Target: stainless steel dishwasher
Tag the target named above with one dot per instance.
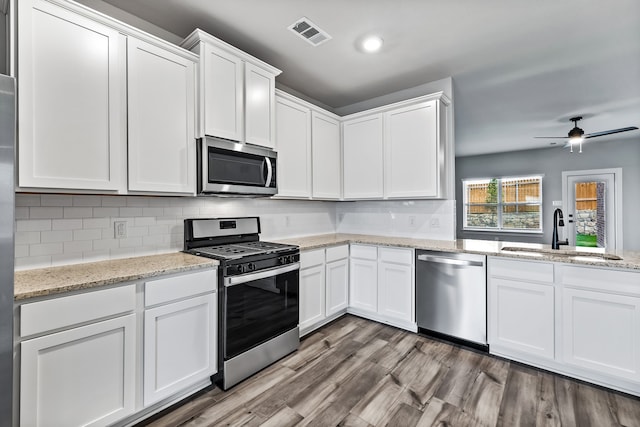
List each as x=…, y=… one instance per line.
x=451, y=296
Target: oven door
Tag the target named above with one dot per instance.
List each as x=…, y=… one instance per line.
x=231, y=168
x=259, y=306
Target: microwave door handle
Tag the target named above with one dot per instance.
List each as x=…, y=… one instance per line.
x=267, y=160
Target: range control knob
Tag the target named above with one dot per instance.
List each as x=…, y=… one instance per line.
x=251, y=266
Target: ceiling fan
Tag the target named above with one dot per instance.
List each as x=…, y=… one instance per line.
x=577, y=135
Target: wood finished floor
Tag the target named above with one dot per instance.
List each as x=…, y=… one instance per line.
x=355, y=372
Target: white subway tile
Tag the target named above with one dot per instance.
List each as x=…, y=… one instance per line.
x=158, y=229
x=78, y=212
x=105, y=212
x=146, y=250
x=96, y=255
x=135, y=201
x=33, y=225
x=66, y=224
x=56, y=236
x=66, y=259
x=144, y=221
x=55, y=200
x=130, y=242
x=87, y=234
x=21, y=213
x=32, y=262
x=105, y=244
x=38, y=212
x=173, y=211
x=21, y=251
x=152, y=240
x=27, y=199
x=96, y=222
x=122, y=253
x=130, y=212
x=27, y=237
x=189, y=212
x=137, y=231
x=152, y=211
x=114, y=201
x=39, y=249
x=85, y=200
x=78, y=246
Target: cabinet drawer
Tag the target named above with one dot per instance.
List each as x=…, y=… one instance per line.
x=364, y=252
x=396, y=255
x=337, y=252
x=63, y=312
x=311, y=258
x=178, y=287
x=529, y=271
x=601, y=279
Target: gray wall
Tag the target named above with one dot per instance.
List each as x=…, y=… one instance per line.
x=552, y=162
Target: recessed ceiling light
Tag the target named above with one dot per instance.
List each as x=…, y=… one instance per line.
x=371, y=44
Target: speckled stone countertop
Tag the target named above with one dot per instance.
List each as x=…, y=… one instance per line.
x=533, y=251
x=56, y=280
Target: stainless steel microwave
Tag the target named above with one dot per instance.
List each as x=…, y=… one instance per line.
x=228, y=168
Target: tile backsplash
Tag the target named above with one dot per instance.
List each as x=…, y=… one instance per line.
x=54, y=229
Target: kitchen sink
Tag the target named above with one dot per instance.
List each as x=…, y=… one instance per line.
x=563, y=253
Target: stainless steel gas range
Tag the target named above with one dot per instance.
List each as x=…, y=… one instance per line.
x=258, y=284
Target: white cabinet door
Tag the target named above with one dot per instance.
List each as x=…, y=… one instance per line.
x=337, y=286
x=161, y=119
x=362, y=148
x=222, y=87
x=312, y=296
x=396, y=291
x=326, y=157
x=411, y=161
x=293, y=137
x=521, y=318
x=601, y=332
x=80, y=377
x=259, y=106
x=72, y=100
x=180, y=342
x=363, y=285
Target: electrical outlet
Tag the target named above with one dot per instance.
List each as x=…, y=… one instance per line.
x=435, y=223
x=120, y=229
x=287, y=221
x=412, y=221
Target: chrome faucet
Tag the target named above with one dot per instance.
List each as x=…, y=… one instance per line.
x=558, y=221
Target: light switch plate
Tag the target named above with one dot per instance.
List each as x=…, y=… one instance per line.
x=120, y=229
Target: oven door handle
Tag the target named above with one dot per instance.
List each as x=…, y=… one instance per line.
x=238, y=280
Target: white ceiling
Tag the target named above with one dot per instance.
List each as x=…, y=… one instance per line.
x=520, y=68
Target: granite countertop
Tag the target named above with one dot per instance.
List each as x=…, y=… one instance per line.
x=56, y=280
x=533, y=251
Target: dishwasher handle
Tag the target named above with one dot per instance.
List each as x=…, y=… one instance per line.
x=450, y=261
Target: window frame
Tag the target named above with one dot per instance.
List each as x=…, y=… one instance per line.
x=500, y=205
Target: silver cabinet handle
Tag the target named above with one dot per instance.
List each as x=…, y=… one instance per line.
x=269, y=171
x=238, y=280
x=450, y=261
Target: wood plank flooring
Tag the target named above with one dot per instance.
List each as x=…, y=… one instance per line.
x=355, y=372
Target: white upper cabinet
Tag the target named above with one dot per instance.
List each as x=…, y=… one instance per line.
x=326, y=157
x=161, y=122
x=411, y=154
x=221, y=94
x=293, y=137
x=71, y=77
x=399, y=151
x=237, y=92
x=363, y=153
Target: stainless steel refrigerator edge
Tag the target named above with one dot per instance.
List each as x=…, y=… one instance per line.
x=7, y=202
x=451, y=295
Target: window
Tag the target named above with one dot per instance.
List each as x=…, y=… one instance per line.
x=503, y=204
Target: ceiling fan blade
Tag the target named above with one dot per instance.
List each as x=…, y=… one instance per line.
x=551, y=137
x=609, y=132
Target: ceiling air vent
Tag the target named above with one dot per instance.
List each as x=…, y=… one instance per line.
x=309, y=31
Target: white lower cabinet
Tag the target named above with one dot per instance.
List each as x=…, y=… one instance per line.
x=180, y=331
x=82, y=375
x=382, y=285
x=580, y=321
x=80, y=355
x=324, y=284
x=521, y=319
